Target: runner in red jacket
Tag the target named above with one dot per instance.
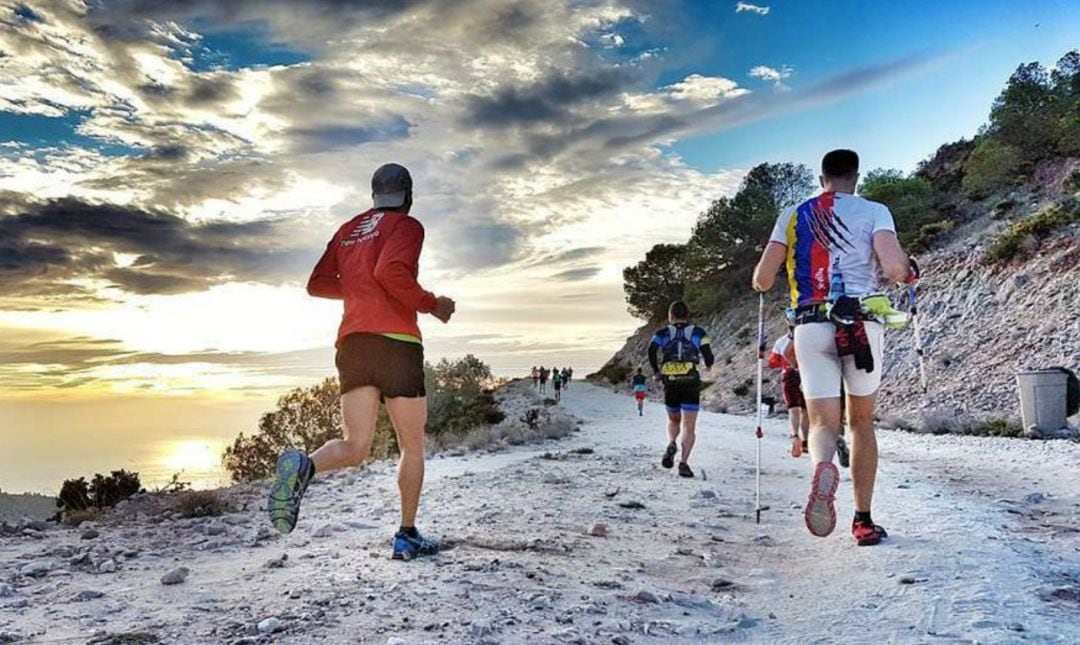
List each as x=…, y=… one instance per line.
x=372, y=264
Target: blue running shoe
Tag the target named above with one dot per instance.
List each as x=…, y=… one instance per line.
x=294, y=472
x=408, y=547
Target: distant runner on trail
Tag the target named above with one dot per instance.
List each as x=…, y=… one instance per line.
x=674, y=354
x=372, y=264
x=557, y=383
x=535, y=376
x=641, y=389
x=543, y=379
x=836, y=247
x=783, y=358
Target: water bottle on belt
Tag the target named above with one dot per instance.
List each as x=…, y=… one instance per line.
x=837, y=292
x=836, y=284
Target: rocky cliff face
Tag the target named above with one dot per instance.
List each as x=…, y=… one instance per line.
x=980, y=324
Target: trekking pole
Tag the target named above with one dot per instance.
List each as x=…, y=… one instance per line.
x=914, y=309
x=760, y=377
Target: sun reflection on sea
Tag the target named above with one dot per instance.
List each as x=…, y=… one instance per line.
x=197, y=461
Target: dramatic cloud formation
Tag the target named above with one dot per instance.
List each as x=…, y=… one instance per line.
x=164, y=157
x=67, y=242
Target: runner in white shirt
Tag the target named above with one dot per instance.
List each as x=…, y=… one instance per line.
x=835, y=247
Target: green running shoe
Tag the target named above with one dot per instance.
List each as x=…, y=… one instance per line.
x=294, y=472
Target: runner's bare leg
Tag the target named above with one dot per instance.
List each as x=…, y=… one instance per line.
x=359, y=413
x=674, y=420
x=409, y=416
x=824, y=428
x=864, y=450
x=689, y=425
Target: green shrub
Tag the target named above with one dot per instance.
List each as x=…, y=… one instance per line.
x=305, y=418
x=999, y=428
x=459, y=400
x=1072, y=182
x=74, y=495
x=1004, y=208
x=992, y=166
x=742, y=389
x=914, y=202
x=1025, y=115
x=654, y=283
x=101, y=492
x=1008, y=244
x=728, y=237
x=1069, y=141
x=945, y=168
x=929, y=234
x=704, y=296
x=613, y=373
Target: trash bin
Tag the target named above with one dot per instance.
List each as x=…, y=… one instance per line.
x=1043, y=398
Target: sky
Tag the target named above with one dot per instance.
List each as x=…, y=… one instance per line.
x=170, y=170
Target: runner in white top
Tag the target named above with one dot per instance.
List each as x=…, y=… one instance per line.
x=834, y=247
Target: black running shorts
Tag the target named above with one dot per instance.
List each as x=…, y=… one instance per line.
x=682, y=394
x=396, y=367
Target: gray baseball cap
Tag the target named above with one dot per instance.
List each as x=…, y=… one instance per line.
x=390, y=186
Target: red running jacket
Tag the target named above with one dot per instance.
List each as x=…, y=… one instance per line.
x=372, y=264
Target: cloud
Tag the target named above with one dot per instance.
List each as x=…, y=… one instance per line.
x=772, y=74
x=752, y=8
x=333, y=137
x=549, y=99
x=38, y=359
x=612, y=40
x=633, y=130
x=60, y=242
x=576, y=275
x=483, y=243
x=572, y=255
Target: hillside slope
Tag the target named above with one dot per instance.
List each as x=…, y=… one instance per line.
x=981, y=323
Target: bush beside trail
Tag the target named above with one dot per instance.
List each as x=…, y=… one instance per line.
x=466, y=408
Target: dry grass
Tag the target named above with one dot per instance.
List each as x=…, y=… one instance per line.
x=951, y=422
x=75, y=518
x=201, y=503
x=539, y=424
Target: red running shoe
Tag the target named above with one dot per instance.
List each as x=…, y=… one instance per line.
x=820, y=507
x=867, y=534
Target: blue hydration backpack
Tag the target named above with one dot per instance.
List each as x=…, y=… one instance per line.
x=680, y=347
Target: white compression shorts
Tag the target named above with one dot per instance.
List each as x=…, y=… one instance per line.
x=822, y=370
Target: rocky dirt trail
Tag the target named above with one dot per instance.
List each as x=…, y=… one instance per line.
x=587, y=540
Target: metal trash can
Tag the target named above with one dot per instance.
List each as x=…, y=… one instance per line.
x=1043, y=398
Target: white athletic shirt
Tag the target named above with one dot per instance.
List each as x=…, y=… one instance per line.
x=778, y=350
x=832, y=229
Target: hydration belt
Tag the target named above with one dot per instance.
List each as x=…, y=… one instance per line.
x=848, y=318
x=808, y=314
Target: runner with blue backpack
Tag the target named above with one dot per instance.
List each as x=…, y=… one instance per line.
x=674, y=354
